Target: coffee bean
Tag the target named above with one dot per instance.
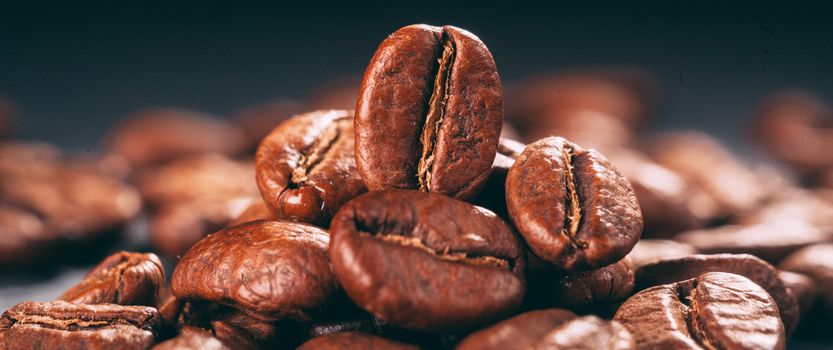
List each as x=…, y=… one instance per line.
x=697, y=157
x=193, y=338
x=574, y=209
x=61, y=325
x=257, y=210
x=771, y=241
x=796, y=128
x=353, y=340
x=517, y=333
x=429, y=112
x=122, y=278
x=306, y=169
x=270, y=268
x=25, y=239
x=161, y=134
x=425, y=261
x=762, y=273
x=647, y=251
x=587, y=333
x=803, y=288
x=579, y=290
x=816, y=262
x=713, y=311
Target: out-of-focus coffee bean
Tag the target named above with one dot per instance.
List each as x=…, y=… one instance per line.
x=122, y=278
x=816, y=262
x=803, y=288
x=796, y=128
x=598, y=108
x=257, y=210
x=24, y=239
x=162, y=134
x=704, y=162
x=175, y=227
x=193, y=338
x=771, y=241
x=257, y=120
x=647, y=251
x=580, y=290
x=588, y=333
x=517, y=333
x=339, y=93
x=201, y=178
x=353, y=340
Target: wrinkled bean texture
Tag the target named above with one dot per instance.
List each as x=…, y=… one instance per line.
x=517, y=333
x=425, y=261
x=61, y=325
x=429, y=113
x=122, y=278
x=271, y=268
x=579, y=290
x=713, y=311
x=573, y=208
x=306, y=167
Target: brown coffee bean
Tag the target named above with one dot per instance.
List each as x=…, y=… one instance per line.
x=814, y=207
x=24, y=239
x=306, y=168
x=771, y=241
x=269, y=268
x=162, y=134
x=193, y=338
x=208, y=177
x=176, y=226
x=713, y=311
x=579, y=290
x=697, y=157
x=353, y=340
x=647, y=251
x=455, y=265
x=517, y=333
x=762, y=273
x=594, y=107
x=796, y=128
x=258, y=120
x=429, y=112
x=587, y=333
x=816, y=262
x=122, y=278
x=804, y=289
x=574, y=209
x=61, y=325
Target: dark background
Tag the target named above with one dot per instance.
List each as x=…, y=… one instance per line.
x=75, y=69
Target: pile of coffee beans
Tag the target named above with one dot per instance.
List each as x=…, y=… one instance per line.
x=430, y=217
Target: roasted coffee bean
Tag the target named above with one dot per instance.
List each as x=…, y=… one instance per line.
x=713, y=311
x=24, y=239
x=574, y=209
x=437, y=131
x=122, y=278
x=517, y=333
x=602, y=107
x=193, y=338
x=771, y=241
x=803, y=288
x=814, y=207
x=61, y=325
x=456, y=265
x=669, y=205
x=270, y=268
x=306, y=168
x=579, y=290
x=647, y=251
x=796, y=128
x=207, y=177
x=258, y=120
x=762, y=273
x=587, y=333
x=815, y=262
x=162, y=134
x=353, y=340
x=697, y=157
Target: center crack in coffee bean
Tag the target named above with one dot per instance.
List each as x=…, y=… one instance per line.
x=318, y=152
x=572, y=219
x=446, y=254
x=435, y=114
